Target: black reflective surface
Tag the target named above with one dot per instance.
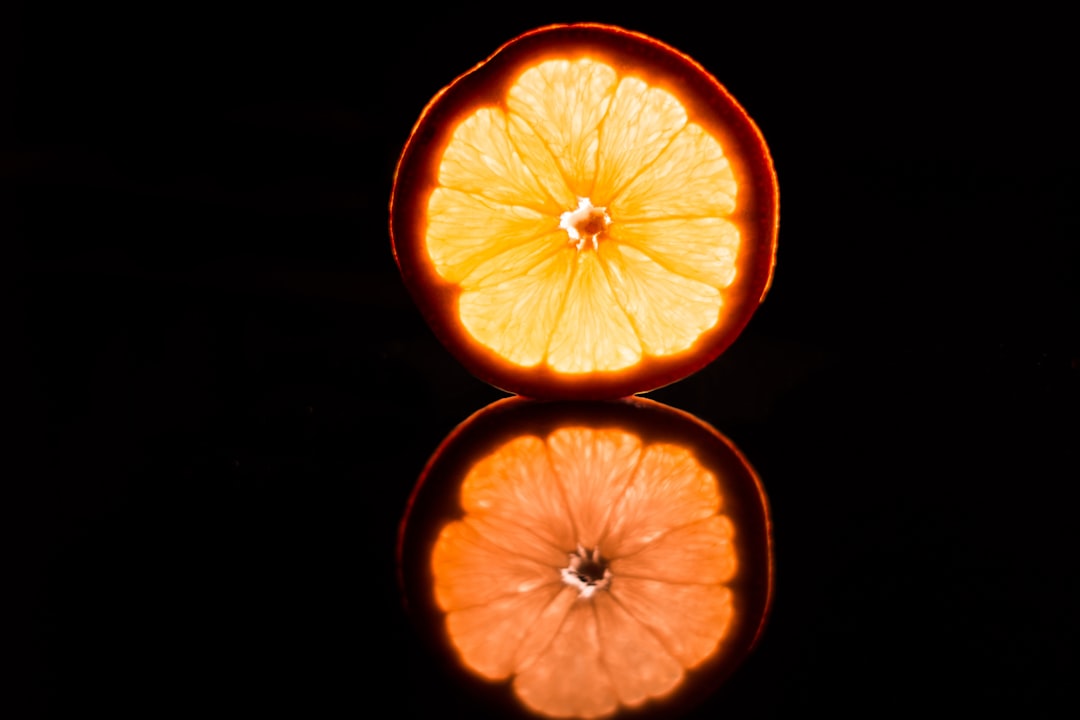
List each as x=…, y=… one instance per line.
x=222, y=395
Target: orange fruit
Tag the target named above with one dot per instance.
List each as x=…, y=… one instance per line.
x=589, y=557
x=586, y=214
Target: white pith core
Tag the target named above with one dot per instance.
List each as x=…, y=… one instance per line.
x=586, y=571
x=585, y=224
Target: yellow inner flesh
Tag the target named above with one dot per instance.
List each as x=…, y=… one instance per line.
x=598, y=296
x=650, y=511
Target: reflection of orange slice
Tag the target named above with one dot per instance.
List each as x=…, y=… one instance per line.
x=593, y=563
x=586, y=214
x=639, y=597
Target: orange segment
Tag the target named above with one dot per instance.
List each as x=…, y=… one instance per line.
x=569, y=679
x=482, y=160
x=460, y=228
x=541, y=160
x=593, y=220
x=485, y=570
x=638, y=664
x=668, y=311
x=691, y=178
x=520, y=486
x=491, y=637
x=515, y=313
x=640, y=123
x=676, y=490
x=691, y=635
x=592, y=332
x=702, y=249
x=701, y=552
x=591, y=467
x=564, y=103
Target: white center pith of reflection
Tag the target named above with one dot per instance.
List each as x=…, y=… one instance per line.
x=586, y=571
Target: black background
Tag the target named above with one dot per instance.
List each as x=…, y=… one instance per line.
x=222, y=394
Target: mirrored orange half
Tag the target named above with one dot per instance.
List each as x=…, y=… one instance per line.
x=584, y=560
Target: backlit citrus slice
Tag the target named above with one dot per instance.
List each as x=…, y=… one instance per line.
x=587, y=214
x=592, y=557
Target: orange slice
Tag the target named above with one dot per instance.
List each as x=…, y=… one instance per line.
x=591, y=557
x=586, y=214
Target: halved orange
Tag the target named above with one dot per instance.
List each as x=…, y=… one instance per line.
x=586, y=214
x=588, y=558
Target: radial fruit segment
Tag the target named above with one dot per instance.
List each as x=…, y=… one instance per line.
x=590, y=567
x=587, y=214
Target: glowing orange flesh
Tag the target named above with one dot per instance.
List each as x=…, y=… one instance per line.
x=519, y=576
x=585, y=221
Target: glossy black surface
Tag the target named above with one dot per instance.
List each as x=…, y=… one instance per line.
x=221, y=394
